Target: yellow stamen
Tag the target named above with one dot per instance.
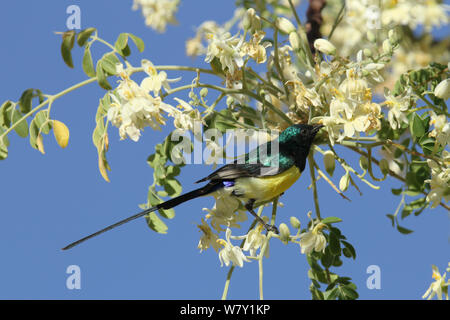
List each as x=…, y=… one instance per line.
x=436, y=276
x=221, y=242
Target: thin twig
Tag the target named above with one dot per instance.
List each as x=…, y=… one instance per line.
x=314, y=186
x=323, y=175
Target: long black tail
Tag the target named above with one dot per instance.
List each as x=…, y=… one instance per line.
x=210, y=187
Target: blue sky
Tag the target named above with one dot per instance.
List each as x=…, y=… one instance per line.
x=50, y=200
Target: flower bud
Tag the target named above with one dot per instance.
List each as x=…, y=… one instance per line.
x=251, y=21
x=344, y=182
x=204, y=92
x=295, y=223
x=248, y=18
x=325, y=46
x=384, y=166
x=230, y=101
x=387, y=47
x=371, y=36
x=285, y=26
x=364, y=162
x=374, y=66
x=329, y=162
x=393, y=37
x=192, y=95
x=367, y=52
x=442, y=90
x=294, y=40
x=284, y=233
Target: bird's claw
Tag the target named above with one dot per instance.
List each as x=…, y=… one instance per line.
x=272, y=228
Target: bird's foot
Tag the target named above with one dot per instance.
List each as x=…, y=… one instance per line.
x=272, y=228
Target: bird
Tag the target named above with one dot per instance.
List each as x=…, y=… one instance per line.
x=262, y=176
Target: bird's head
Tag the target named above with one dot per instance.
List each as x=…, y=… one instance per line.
x=300, y=135
x=297, y=139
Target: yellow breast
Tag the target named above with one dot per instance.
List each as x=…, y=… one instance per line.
x=266, y=188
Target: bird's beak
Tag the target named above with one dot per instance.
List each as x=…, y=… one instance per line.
x=317, y=127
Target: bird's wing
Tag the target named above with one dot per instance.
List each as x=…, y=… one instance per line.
x=254, y=166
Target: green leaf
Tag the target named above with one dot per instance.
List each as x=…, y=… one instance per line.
x=334, y=244
x=349, y=292
x=25, y=101
x=396, y=191
x=121, y=42
x=331, y=294
x=172, y=187
x=22, y=126
x=172, y=171
x=121, y=45
x=350, y=249
x=137, y=41
x=4, y=143
x=101, y=77
x=313, y=264
x=337, y=262
x=126, y=51
x=66, y=47
x=38, y=125
x=416, y=126
x=327, y=258
x=392, y=218
x=84, y=35
x=403, y=230
x=5, y=111
x=329, y=220
x=109, y=62
x=155, y=223
x=87, y=63
x=316, y=294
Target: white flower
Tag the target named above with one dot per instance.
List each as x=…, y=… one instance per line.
x=208, y=238
x=398, y=105
x=227, y=49
x=394, y=163
x=414, y=13
x=441, y=129
x=194, y=46
x=354, y=86
x=254, y=49
x=313, y=240
x=442, y=90
x=439, y=183
x=187, y=118
x=325, y=46
x=438, y=286
x=231, y=253
x=226, y=211
x=133, y=108
x=302, y=96
x=155, y=81
x=158, y=13
x=254, y=240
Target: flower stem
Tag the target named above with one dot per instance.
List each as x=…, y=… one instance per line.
x=230, y=272
x=314, y=186
x=50, y=99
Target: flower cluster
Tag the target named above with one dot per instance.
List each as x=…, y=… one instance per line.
x=351, y=109
x=373, y=15
x=440, y=181
x=439, y=286
x=133, y=107
x=158, y=13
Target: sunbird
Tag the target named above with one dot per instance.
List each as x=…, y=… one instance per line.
x=254, y=181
